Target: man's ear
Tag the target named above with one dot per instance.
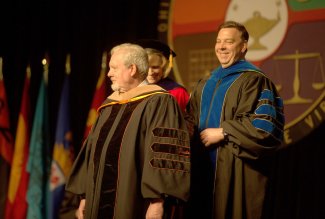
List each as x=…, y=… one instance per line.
x=244, y=47
x=133, y=69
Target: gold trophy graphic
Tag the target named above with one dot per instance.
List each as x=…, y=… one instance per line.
x=258, y=26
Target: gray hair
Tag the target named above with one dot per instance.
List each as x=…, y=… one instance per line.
x=134, y=54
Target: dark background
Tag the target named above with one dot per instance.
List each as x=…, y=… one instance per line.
x=29, y=30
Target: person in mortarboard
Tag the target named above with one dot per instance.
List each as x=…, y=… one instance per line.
x=160, y=65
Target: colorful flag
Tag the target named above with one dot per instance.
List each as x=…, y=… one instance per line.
x=71, y=201
x=99, y=95
x=39, y=159
x=62, y=152
x=16, y=203
x=6, y=145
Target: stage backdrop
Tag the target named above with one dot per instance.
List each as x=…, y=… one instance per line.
x=287, y=42
x=290, y=50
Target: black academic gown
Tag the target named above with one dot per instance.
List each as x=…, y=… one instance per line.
x=137, y=150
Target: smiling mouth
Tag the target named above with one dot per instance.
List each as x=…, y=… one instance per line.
x=223, y=54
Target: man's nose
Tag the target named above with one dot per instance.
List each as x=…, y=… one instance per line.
x=222, y=45
x=150, y=71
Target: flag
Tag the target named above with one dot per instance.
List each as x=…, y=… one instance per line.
x=99, y=95
x=16, y=202
x=62, y=152
x=38, y=164
x=6, y=145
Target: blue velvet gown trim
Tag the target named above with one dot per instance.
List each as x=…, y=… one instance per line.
x=213, y=96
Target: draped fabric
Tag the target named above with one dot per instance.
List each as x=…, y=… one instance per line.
x=39, y=159
x=98, y=98
x=138, y=149
x=6, y=147
x=176, y=90
x=62, y=158
x=230, y=179
x=19, y=177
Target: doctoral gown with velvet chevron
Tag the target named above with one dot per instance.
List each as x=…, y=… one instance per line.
x=137, y=150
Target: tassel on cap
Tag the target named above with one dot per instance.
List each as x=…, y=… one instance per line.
x=159, y=46
x=171, y=59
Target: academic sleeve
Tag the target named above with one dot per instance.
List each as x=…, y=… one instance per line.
x=257, y=124
x=192, y=111
x=77, y=179
x=166, y=152
x=76, y=182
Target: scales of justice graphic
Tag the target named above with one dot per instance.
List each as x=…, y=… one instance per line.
x=296, y=57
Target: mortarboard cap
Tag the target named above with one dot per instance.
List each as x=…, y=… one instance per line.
x=159, y=46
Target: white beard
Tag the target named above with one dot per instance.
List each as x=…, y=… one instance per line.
x=115, y=87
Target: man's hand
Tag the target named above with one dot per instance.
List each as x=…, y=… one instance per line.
x=211, y=136
x=155, y=209
x=81, y=209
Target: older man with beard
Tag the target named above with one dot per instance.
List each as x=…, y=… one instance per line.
x=137, y=156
